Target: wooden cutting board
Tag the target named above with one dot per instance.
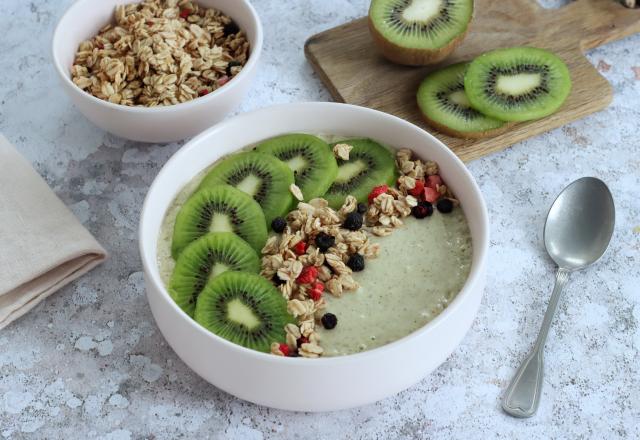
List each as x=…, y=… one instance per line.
x=347, y=61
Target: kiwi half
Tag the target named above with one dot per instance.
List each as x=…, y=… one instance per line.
x=419, y=32
x=243, y=308
x=370, y=164
x=444, y=105
x=517, y=84
x=260, y=175
x=204, y=259
x=219, y=208
x=310, y=158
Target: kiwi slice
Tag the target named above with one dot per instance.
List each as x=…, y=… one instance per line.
x=419, y=32
x=370, y=164
x=205, y=259
x=311, y=160
x=445, y=106
x=260, y=175
x=243, y=308
x=517, y=84
x=220, y=208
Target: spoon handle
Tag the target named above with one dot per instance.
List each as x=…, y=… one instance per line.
x=523, y=394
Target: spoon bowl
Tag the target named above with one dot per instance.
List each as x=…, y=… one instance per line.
x=580, y=224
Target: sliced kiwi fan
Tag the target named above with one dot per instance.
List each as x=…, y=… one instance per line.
x=309, y=157
x=370, y=164
x=219, y=208
x=243, y=308
x=262, y=176
x=221, y=229
x=203, y=260
x=444, y=104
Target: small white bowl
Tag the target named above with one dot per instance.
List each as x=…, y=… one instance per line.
x=158, y=124
x=322, y=384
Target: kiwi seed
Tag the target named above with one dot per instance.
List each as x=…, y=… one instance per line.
x=243, y=308
x=260, y=175
x=219, y=208
x=419, y=32
x=203, y=260
x=517, y=84
x=370, y=164
x=445, y=106
x=310, y=158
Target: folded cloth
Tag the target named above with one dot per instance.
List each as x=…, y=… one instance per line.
x=43, y=247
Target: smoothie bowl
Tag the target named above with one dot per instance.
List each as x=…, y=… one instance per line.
x=332, y=248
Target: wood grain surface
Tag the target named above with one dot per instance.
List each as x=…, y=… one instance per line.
x=351, y=67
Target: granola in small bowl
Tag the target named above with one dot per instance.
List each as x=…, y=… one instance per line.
x=159, y=53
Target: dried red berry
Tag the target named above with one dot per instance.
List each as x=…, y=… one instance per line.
x=434, y=181
x=376, y=191
x=300, y=248
x=302, y=340
x=184, y=13
x=316, y=292
x=308, y=275
x=203, y=92
x=284, y=348
x=417, y=190
x=431, y=195
x=223, y=80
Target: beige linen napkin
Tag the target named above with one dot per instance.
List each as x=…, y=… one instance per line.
x=43, y=246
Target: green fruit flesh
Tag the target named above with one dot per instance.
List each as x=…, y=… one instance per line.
x=205, y=259
x=517, y=84
x=243, y=308
x=442, y=99
x=421, y=24
x=260, y=175
x=219, y=208
x=370, y=164
x=311, y=160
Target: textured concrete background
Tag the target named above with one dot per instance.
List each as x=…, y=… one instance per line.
x=90, y=363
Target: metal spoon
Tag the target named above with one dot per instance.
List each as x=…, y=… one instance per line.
x=576, y=234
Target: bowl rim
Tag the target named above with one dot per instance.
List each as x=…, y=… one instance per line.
x=255, y=50
x=480, y=252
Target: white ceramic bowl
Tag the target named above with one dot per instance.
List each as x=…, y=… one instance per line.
x=159, y=124
x=326, y=383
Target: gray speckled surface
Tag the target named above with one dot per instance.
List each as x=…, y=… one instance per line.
x=90, y=363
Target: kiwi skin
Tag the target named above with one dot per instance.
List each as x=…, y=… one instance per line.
x=466, y=134
x=413, y=57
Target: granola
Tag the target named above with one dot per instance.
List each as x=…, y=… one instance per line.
x=281, y=261
x=341, y=151
x=414, y=171
x=160, y=52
